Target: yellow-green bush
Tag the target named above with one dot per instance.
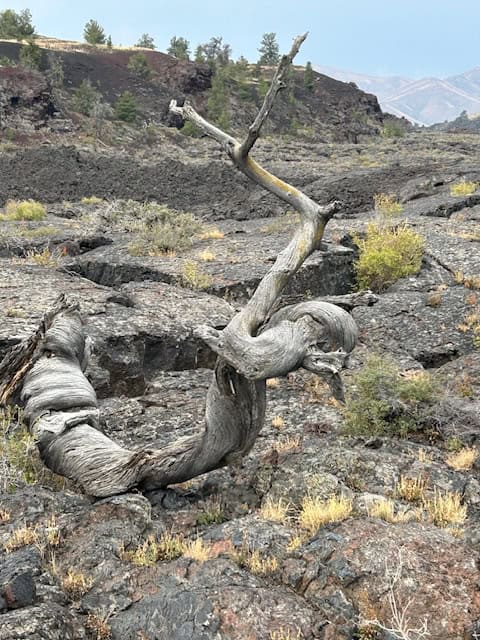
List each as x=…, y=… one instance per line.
x=387, y=205
x=159, y=229
x=195, y=278
x=463, y=188
x=383, y=400
x=91, y=200
x=24, y=210
x=387, y=254
x=19, y=459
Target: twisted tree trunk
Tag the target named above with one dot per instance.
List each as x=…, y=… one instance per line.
x=61, y=406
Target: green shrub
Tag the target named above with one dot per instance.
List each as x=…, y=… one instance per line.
x=385, y=401
x=161, y=230
x=195, y=278
x=191, y=130
x=19, y=459
x=392, y=129
x=126, y=108
x=30, y=56
x=138, y=64
x=24, y=210
x=85, y=97
x=387, y=254
x=308, y=77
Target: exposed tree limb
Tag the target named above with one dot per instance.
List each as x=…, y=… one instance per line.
x=60, y=403
x=276, y=85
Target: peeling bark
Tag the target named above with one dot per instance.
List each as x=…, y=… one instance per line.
x=258, y=343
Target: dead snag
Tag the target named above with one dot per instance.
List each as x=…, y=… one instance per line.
x=257, y=344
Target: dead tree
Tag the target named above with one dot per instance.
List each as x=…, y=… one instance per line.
x=61, y=406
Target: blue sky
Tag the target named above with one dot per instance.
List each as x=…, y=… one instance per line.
x=414, y=38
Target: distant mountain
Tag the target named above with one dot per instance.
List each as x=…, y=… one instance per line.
x=426, y=101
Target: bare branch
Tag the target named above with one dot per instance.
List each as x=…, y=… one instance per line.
x=276, y=85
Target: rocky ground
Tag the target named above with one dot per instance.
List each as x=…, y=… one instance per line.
x=244, y=570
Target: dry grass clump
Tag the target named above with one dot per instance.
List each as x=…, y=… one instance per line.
x=207, y=255
x=387, y=205
x=211, y=233
x=212, y=513
x=44, y=258
x=296, y=542
x=464, y=386
x=91, y=200
x=385, y=510
x=462, y=460
x=23, y=210
x=278, y=422
x=387, y=254
x=288, y=444
x=445, y=508
x=193, y=277
x=285, y=634
x=316, y=512
x=21, y=538
x=463, y=188
x=97, y=625
x=273, y=383
x=4, y=516
x=197, y=550
x=317, y=389
x=469, y=281
x=411, y=489
x=255, y=562
x=168, y=547
x=76, y=584
x=276, y=510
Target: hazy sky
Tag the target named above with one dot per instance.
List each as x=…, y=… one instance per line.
x=413, y=38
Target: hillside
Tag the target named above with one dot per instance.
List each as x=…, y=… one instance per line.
x=328, y=111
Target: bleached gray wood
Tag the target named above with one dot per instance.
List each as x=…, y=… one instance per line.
x=257, y=344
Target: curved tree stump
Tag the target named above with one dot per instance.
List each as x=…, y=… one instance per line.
x=61, y=406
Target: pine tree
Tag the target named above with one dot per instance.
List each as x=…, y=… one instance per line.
x=180, y=48
x=138, y=64
x=269, y=52
x=125, y=107
x=199, y=55
x=109, y=42
x=215, y=52
x=85, y=97
x=308, y=77
x=16, y=25
x=30, y=56
x=146, y=41
x=217, y=104
x=93, y=33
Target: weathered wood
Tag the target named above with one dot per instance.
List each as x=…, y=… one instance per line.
x=258, y=343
